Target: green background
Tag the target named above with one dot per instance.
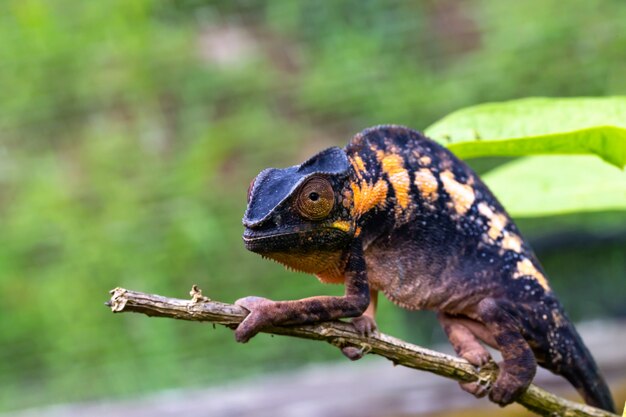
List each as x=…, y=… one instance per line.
x=129, y=132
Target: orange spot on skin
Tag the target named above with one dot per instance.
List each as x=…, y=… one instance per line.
x=511, y=242
x=485, y=210
x=525, y=268
x=497, y=225
x=342, y=225
x=358, y=165
x=497, y=222
x=393, y=166
x=367, y=196
x=462, y=195
x=425, y=160
x=427, y=184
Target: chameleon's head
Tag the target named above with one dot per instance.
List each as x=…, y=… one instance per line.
x=300, y=215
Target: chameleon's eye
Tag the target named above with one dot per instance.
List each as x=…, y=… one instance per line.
x=250, y=188
x=316, y=199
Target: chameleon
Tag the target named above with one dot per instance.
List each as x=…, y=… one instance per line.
x=397, y=213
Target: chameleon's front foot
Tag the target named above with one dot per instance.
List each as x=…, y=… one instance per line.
x=258, y=318
x=366, y=326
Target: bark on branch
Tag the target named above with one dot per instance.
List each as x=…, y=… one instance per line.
x=201, y=308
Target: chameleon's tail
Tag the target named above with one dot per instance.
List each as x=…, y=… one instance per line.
x=579, y=368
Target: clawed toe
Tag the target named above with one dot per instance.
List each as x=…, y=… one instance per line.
x=503, y=391
x=365, y=325
x=477, y=388
x=478, y=357
x=353, y=353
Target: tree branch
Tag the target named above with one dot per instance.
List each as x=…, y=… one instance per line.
x=340, y=334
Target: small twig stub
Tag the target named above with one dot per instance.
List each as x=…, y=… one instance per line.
x=196, y=295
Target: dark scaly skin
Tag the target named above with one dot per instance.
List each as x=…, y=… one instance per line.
x=413, y=221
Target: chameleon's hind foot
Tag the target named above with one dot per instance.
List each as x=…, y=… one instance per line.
x=503, y=391
x=519, y=365
x=507, y=389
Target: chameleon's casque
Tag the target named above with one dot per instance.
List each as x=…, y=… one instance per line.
x=277, y=185
x=398, y=213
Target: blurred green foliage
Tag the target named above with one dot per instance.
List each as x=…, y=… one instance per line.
x=129, y=132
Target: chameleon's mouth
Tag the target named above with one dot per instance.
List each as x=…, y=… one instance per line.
x=326, y=239
x=265, y=242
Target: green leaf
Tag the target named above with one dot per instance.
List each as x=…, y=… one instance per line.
x=548, y=185
x=537, y=126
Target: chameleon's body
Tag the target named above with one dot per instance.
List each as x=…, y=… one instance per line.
x=396, y=212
